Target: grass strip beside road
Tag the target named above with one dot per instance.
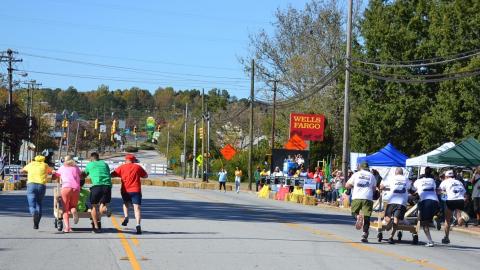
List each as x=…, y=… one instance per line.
x=126, y=246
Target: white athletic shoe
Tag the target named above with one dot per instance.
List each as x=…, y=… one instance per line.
x=429, y=244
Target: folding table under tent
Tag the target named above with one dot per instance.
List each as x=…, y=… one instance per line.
x=466, y=153
x=421, y=161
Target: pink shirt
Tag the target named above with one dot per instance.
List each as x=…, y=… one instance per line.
x=70, y=176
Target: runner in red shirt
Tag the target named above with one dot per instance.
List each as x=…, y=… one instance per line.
x=131, y=191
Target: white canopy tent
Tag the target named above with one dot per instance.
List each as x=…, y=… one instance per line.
x=421, y=161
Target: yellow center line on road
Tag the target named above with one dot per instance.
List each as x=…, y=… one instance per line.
x=364, y=247
x=126, y=246
x=349, y=242
x=134, y=240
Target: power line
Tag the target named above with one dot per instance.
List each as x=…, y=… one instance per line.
x=319, y=85
x=454, y=76
x=141, y=32
x=121, y=79
x=123, y=58
x=420, y=62
x=137, y=70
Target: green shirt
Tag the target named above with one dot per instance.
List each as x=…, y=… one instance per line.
x=82, y=200
x=256, y=175
x=99, y=173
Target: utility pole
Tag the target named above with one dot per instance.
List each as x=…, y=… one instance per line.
x=194, y=160
x=250, y=148
x=76, y=139
x=346, y=110
x=31, y=85
x=203, y=136
x=273, y=115
x=185, y=143
x=10, y=60
x=168, y=141
x=207, y=164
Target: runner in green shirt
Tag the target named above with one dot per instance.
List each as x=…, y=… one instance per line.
x=101, y=190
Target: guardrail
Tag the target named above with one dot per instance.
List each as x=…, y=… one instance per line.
x=151, y=169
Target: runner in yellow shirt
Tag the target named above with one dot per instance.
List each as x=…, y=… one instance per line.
x=37, y=171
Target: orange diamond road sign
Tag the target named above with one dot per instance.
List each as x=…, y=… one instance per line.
x=295, y=143
x=228, y=152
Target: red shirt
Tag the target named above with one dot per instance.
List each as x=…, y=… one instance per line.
x=130, y=173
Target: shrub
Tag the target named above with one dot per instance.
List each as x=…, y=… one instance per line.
x=131, y=149
x=146, y=147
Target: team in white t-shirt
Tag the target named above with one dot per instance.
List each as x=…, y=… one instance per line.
x=426, y=189
x=364, y=184
x=453, y=188
x=396, y=189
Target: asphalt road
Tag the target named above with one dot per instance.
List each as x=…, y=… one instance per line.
x=202, y=229
x=144, y=157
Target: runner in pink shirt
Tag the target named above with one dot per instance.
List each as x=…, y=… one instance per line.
x=69, y=175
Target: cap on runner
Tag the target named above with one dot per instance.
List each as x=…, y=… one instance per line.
x=130, y=157
x=449, y=173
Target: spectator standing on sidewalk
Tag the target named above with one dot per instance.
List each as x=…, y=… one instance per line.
x=131, y=190
x=338, y=185
x=222, y=179
x=37, y=171
x=238, y=179
x=256, y=176
x=476, y=194
x=318, y=176
x=363, y=184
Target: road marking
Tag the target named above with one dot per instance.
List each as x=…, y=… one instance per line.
x=126, y=246
x=134, y=240
x=366, y=248
x=330, y=235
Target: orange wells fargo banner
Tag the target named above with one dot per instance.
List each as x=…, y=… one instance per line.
x=309, y=127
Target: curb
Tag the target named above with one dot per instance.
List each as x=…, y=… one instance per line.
x=465, y=231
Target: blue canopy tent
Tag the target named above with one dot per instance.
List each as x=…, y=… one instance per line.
x=388, y=156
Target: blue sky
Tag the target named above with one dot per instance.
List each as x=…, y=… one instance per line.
x=183, y=44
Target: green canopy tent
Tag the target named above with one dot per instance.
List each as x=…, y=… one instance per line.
x=466, y=153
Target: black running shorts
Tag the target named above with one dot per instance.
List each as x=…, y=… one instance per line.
x=396, y=210
x=100, y=194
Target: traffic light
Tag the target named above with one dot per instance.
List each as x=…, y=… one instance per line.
x=96, y=124
x=200, y=131
x=135, y=130
x=65, y=123
x=158, y=128
x=114, y=126
x=99, y=136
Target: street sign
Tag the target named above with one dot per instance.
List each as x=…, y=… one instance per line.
x=182, y=158
x=295, y=143
x=200, y=160
x=103, y=128
x=228, y=152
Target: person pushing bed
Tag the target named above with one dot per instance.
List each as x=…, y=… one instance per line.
x=131, y=191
